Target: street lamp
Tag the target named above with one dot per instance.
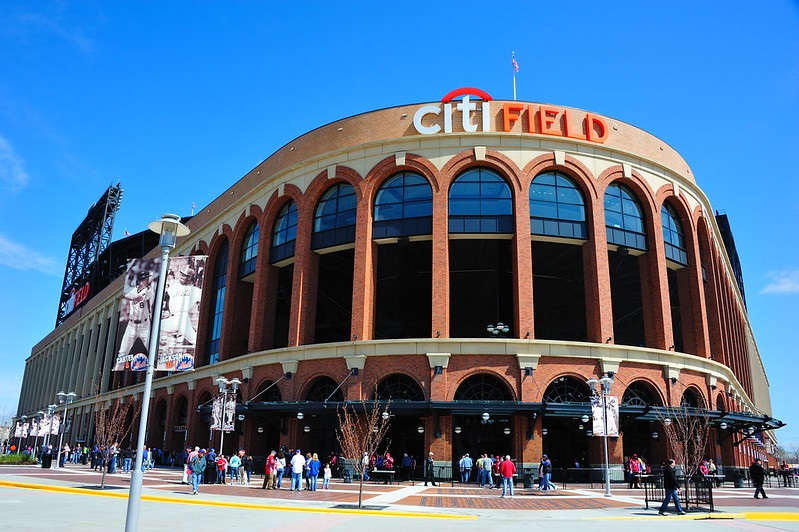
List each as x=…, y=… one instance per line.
x=223, y=389
x=66, y=400
x=170, y=228
x=605, y=384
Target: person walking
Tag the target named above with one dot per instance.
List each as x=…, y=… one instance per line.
x=314, y=466
x=757, y=474
x=466, y=468
x=671, y=486
x=328, y=474
x=270, y=471
x=428, y=469
x=506, y=470
x=281, y=469
x=248, y=464
x=197, y=467
x=235, y=463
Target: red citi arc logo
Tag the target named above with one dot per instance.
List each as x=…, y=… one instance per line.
x=516, y=117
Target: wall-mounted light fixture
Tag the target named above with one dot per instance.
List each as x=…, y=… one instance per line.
x=457, y=430
x=528, y=372
x=307, y=428
x=300, y=415
x=288, y=375
x=544, y=431
x=420, y=429
x=485, y=416
x=655, y=435
x=673, y=380
x=438, y=370
x=354, y=372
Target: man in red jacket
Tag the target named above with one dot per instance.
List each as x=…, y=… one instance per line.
x=270, y=471
x=506, y=470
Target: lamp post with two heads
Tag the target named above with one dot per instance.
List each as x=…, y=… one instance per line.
x=170, y=228
x=65, y=399
x=605, y=384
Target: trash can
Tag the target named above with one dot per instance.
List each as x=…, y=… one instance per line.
x=346, y=474
x=47, y=460
x=529, y=481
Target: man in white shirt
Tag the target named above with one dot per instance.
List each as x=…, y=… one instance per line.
x=297, y=465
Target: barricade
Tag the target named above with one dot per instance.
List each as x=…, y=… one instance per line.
x=697, y=493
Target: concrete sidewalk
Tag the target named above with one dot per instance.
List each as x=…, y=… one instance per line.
x=169, y=505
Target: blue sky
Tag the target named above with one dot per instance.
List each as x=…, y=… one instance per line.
x=178, y=100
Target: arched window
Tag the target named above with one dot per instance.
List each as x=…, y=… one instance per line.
x=623, y=218
x=268, y=393
x=691, y=399
x=217, y=303
x=480, y=201
x=673, y=235
x=324, y=389
x=639, y=393
x=482, y=387
x=567, y=390
x=557, y=207
x=403, y=207
x=334, y=219
x=284, y=233
x=249, y=250
x=399, y=387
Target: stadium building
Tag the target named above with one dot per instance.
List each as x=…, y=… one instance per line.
x=476, y=263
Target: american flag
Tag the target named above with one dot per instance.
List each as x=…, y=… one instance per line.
x=515, y=64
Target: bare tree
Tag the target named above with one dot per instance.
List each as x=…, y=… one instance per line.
x=361, y=432
x=112, y=422
x=687, y=431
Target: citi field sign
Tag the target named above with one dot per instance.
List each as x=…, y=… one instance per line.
x=515, y=116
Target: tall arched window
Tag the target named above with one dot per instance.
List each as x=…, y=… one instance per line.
x=567, y=390
x=673, y=235
x=399, y=387
x=623, y=218
x=217, y=303
x=403, y=207
x=249, y=250
x=334, y=218
x=324, y=389
x=557, y=207
x=482, y=387
x=639, y=393
x=480, y=201
x=284, y=233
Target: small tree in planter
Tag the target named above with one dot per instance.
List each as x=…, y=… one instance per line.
x=362, y=430
x=687, y=430
x=111, y=426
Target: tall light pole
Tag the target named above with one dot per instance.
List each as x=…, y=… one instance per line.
x=170, y=228
x=605, y=384
x=223, y=382
x=65, y=399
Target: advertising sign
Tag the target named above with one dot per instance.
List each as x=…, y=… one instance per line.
x=136, y=314
x=598, y=418
x=181, y=313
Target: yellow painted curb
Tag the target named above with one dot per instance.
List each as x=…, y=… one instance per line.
x=226, y=504
x=748, y=516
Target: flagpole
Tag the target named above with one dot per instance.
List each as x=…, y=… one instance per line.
x=514, y=69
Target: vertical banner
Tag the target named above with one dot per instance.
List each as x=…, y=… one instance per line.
x=136, y=314
x=230, y=413
x=598, y=418
x=55, y=424
x=18, y=430
x=34, y=431
x=216, y=412
x=44, y=426
x=67, y=424
x=181, y=313
x=25, y=427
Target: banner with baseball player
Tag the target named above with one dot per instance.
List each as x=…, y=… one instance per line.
x=597, y=413
x=18, y=430
x=223, y=412
x=180, y=316
x=136, y=314
x=55, y=424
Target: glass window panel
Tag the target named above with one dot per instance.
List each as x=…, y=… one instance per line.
x=388, y=212
x=413, y=210
x=463, y=207
x=613, y=219
x=612, y=203
x=496, y=207
x=630, y=207
x=543, y=209
x=546, y=179
x=571, y=212
x=464, y=190
x=569, y=195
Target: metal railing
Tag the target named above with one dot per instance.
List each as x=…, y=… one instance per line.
x=697, y=492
